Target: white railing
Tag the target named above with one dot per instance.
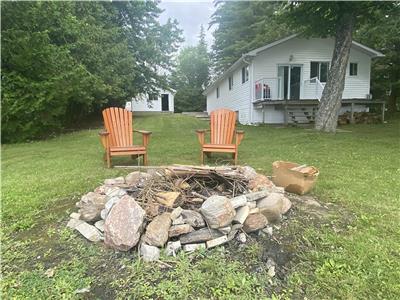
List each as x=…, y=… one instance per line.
x=266, y=89
x=318, y=85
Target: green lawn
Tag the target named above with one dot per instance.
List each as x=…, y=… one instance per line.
x=359, y=172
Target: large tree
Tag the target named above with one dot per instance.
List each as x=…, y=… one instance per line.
x=191, y=76
x=339, y=20
x=384, y=36
x=63, y=60
x=241, y=26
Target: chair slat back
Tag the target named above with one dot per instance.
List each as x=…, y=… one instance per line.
x=118, y=122
x=222, y=125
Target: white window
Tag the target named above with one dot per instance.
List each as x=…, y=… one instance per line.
x=230, y=82
x=153, y=97
x=353, y=69
x=245, y=74
x=217, y=92
x=320, y=70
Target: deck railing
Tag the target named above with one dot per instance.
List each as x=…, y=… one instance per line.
x=319, y=86
x=266, y=89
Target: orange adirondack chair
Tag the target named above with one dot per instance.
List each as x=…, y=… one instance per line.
x=117, y=138
x=222, y=129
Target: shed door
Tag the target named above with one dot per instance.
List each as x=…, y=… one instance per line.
x=165, y=102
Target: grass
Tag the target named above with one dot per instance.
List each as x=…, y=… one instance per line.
x=360, y=174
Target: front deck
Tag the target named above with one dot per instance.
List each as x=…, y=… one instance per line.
x=306, y=109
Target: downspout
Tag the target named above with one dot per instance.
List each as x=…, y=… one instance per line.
x=251, y=75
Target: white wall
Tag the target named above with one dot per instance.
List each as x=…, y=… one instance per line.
x=141, y=104
x=237, y=99
x=302, y=52
x=297, y=51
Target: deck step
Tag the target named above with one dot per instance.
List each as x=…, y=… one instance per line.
x=301, y=114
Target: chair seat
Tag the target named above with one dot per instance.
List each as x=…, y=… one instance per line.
x=219, y=148
x=133, y=148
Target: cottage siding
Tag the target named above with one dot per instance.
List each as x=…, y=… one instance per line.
x=141, y=103
x=296, y=51
x=302, y=52
x=237, y=99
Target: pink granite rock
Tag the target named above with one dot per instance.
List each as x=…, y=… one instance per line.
x=124, y=224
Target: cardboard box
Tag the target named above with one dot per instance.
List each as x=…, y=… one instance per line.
x=295, y=178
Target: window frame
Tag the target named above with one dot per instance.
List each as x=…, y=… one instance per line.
x=319, y=70
x=356, y=64
x=230, y=82
x=245, y=74
x=153, y=96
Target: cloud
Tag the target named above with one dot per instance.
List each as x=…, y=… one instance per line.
x=190, y=15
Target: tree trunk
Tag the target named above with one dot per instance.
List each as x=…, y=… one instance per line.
x=328, y=110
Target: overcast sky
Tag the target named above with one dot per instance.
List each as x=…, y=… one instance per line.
x=190, y=15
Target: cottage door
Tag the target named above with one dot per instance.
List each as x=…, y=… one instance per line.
x=289, y=81
x=295, y=81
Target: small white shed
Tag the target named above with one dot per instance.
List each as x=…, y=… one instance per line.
x=160, y=102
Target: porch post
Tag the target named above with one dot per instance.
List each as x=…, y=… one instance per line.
x=286, y=113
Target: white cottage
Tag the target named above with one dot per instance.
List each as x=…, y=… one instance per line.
x=160, y=102
x=282, y=82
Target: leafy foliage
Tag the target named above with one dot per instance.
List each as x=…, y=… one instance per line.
x=385, y=36
x=243, y=26
x=191, y=77
x=64, y=60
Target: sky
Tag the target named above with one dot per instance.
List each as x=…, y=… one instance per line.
x=190, y=15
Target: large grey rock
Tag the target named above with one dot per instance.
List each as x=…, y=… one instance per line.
x=286, y=205
x=103, y=189
x=89, y=232
x=194, y=247
x=157, y=231
x=90, y=206
x=115, y=192
x=178, y=221
x=176, y=213
x=271, y=207
x=255, y=222
x=149, y=253
x=73, y=223
x=137, y=178
x=216, y=242
x=218, y=211
x=124, y=224
x=248, y=172
x=193, y=218
x=75, y=215
x=172, y=248
x=177, y=230
x=100, y=225
x=114, y=181
x=201, y=235
x=113, y=196
x=260, y=182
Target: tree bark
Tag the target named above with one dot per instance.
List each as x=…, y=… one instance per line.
x=328, y=110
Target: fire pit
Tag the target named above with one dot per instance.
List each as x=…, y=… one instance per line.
x=179, y=208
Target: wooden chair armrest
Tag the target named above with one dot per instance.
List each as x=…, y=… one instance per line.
x=142, y=131
x=201, y=135
x=202, y=130
x=145, y=136
x=239, y=136
x=104, y=133
x=104, y=138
